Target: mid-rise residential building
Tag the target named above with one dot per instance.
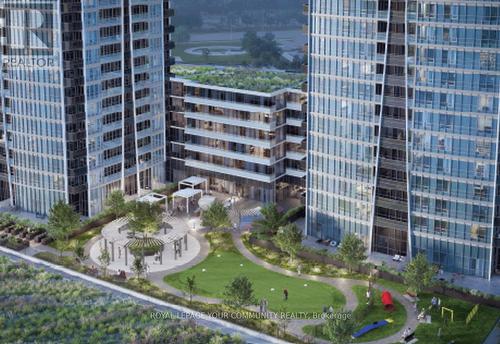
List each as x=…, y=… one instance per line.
x=403, y=128
x=243, y=130
x=83, y=100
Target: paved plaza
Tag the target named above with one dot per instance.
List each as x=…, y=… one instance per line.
x=180, y=246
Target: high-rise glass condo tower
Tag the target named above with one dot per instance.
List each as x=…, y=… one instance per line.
x=83, y=100
x=403, y=128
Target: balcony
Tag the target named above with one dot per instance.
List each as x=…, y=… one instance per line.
x=227, y=104
x=228, y=154
x=230, y=121
x=295, y=173
x=294, y=155
x=230, y=138
x=295, y=122
x=297, y=139
x=294, y=106
x=260, y=177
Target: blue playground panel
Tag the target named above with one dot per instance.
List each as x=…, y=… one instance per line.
x=370, y=327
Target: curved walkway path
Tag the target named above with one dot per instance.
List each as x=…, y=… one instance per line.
x=343, y=284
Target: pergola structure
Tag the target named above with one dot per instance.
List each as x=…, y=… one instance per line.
x=187, y=194
x=153, y=198
x=193, y=182
x=117, y=237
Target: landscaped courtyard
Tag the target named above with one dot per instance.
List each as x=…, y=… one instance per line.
x=218, y=258
x=224, y=263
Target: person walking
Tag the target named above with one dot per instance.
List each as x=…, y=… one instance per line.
x=285, y=294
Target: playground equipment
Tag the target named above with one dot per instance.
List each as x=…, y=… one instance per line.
x=450, y=311
x=471, y=314
x=387, y=301
x=371, y=327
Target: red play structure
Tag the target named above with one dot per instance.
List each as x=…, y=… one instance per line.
x=387, y=301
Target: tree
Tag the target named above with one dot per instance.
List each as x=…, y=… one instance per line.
x=145, y=218
x=104, y=260
x=138, y=266
x=79, y=251
x=273, y=219
x=352, y=251
x=289, y=240
x=419, y=273
x=216, y=216
x=239, y=293
x=191, y=286
x=339, y=327
x=116, y=203
x=62, y=220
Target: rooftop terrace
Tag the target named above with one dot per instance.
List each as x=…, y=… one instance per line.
x=240, y=78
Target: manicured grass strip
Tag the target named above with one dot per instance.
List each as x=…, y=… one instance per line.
x=476, y=332
x=366, y=315
x=225, y=263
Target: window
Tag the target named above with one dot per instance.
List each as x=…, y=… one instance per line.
x=141, y=43
x=442, y=185
x=111, y=67
x=478, y=232
x=112, y=117
x=108, y=13
x=111, y=101
x=110, y=170
x=483, y=149
x=140, y=9
x=110, y=31
x=111, y=49
x=441, y=207
x=480, y=169
x=111, y=153
x=440, y=227
x=112, y=135
x=480, y=192
x=140, y=27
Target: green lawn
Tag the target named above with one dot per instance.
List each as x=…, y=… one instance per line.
x=307, y=267
x=475, y=332
x=217, y=60
x=224, y=263
x=366, y=316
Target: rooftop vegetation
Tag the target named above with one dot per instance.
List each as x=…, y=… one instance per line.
x=37, y=306
x=240, y=78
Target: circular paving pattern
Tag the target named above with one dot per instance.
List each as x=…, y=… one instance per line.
x=180, y=246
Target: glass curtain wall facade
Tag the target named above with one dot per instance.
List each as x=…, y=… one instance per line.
x=124, y=71
x=94, y=121
x=403, y=128
x=455, y=67
x=33, y=109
